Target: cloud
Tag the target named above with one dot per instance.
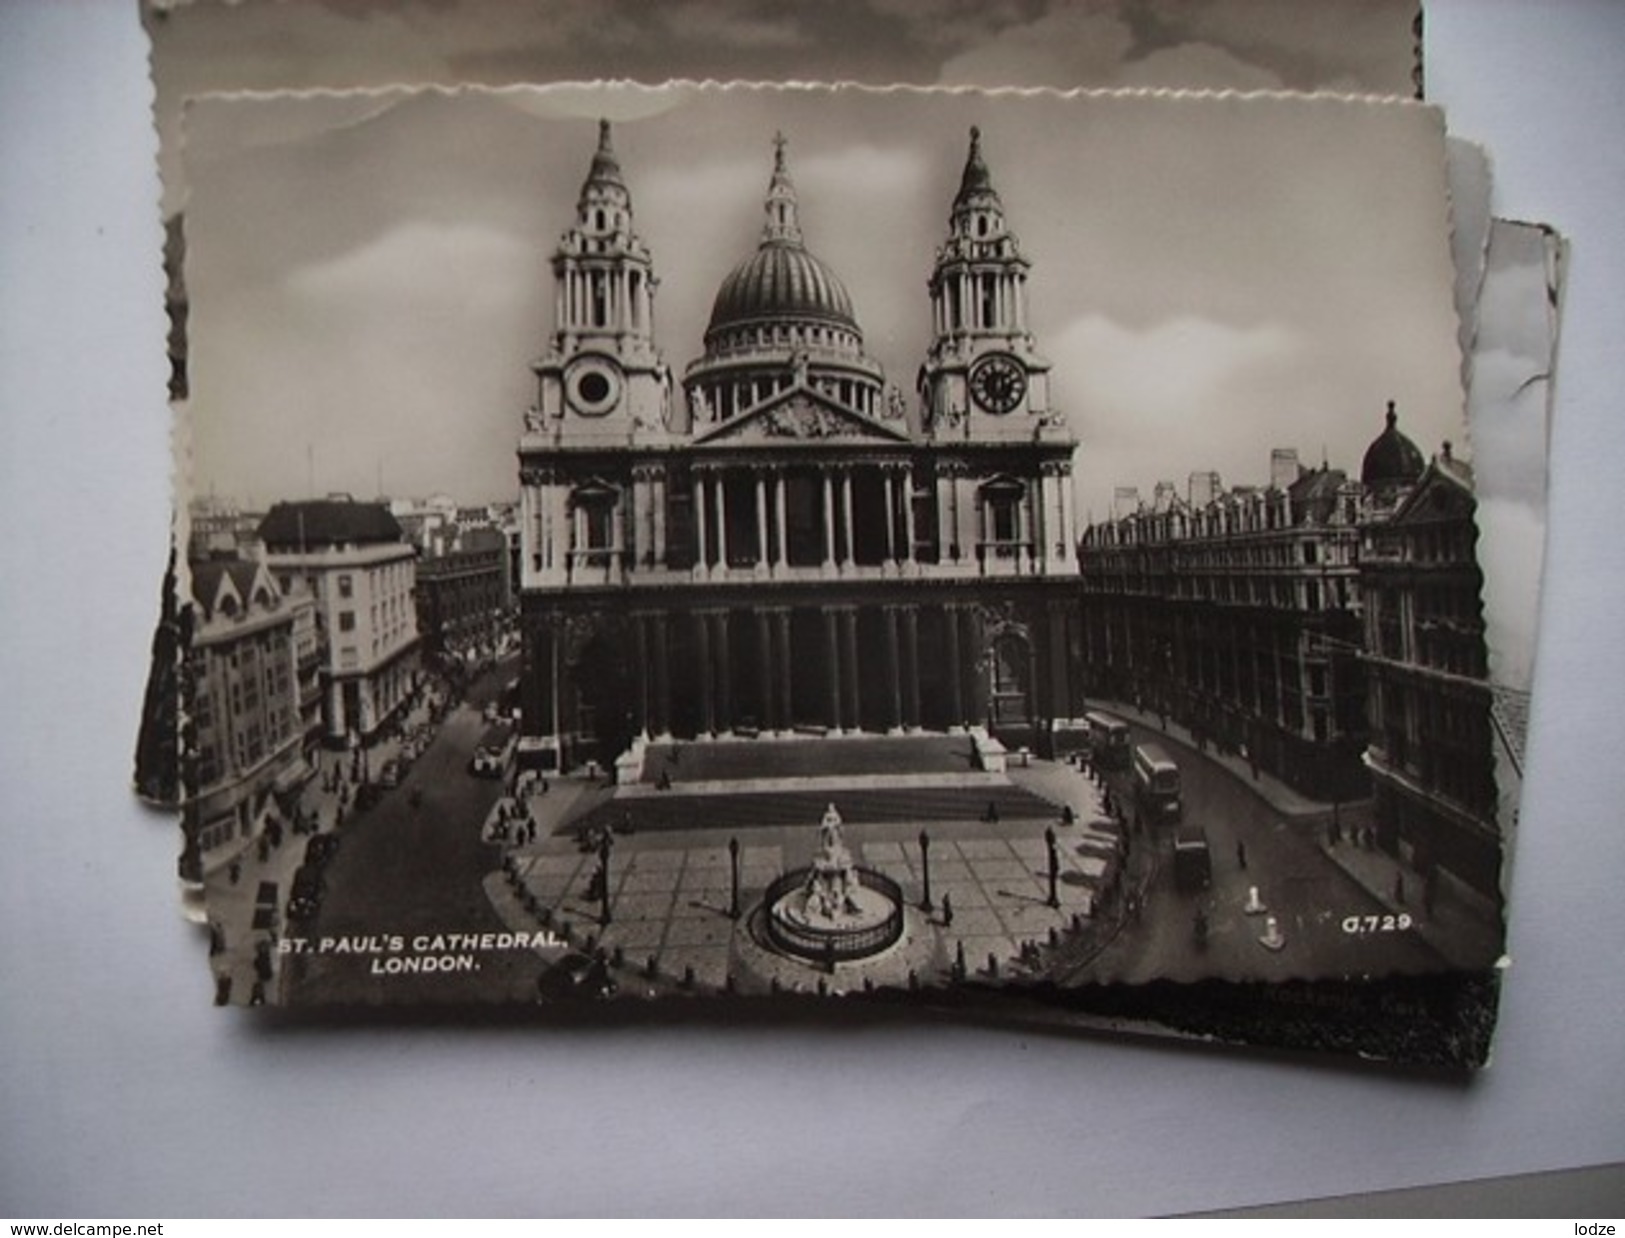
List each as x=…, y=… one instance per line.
x=1066, y=47
x=1196, y=66
x=1167, y=371
x=1144, y=401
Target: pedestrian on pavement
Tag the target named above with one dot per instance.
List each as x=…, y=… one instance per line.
x=235, y=871
x=1241, y=855
x=1399, y=888
x=947, y=909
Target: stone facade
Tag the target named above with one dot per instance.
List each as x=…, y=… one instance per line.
x=1236, y=612
x=244, y=729
x=782, y=541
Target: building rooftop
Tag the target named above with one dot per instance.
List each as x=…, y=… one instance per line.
x=327, y=522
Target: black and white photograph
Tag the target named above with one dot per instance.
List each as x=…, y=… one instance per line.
x=750, y=540
x=528, y=864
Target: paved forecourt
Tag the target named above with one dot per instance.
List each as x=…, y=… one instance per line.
x=671, y=894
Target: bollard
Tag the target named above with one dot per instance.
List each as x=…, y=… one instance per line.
x=959, y=960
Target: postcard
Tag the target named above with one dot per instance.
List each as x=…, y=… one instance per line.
x=813, y=608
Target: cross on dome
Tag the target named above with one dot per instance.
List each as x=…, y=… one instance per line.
x=783, y=224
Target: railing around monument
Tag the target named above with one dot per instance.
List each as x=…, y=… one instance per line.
x=837, y=944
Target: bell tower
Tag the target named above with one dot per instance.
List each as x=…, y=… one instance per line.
x=602, y=376
x=982, y=377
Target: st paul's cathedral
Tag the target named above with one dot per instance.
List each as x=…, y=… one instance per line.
x=780, y=541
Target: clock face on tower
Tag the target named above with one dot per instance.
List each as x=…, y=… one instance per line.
x=998, y=383
x=593, y=383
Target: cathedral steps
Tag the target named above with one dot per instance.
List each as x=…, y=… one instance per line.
x=674, y=810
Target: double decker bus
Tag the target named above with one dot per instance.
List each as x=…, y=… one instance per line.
x=1108, y=741
x=1156, y=784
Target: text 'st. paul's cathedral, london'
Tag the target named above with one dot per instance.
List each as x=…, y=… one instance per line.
x=780, y=541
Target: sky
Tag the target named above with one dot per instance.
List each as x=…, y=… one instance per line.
x=200, y=46
x=1212, y=277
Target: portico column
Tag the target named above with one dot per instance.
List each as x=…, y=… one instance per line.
x=849, y=638
x=908, y=516
x=780, y=533
x=891, y=514
x=829, y=520
x=911, y=666
x=702, y=652
x=832, y=653
x=703, y=559
x=720, y=482
x=786, y=702
x=724, y=666
x=893, y=670
x=956, y=670
x=662, y=687
x=764, y=649
x=846, y=516
x=763, y=558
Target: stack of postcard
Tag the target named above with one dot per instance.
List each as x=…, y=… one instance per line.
x=1024, y=515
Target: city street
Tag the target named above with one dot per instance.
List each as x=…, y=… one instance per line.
x=407, y=871
x=1309, y=897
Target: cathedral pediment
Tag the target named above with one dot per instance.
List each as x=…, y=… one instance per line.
x=804, y=415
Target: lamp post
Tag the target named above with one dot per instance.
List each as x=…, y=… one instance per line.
x=733, y=871
x=1054, y=899
x=604, y=845
x=926, y=904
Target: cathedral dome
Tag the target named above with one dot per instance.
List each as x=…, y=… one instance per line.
x=1392, y=459
x=781, y=281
